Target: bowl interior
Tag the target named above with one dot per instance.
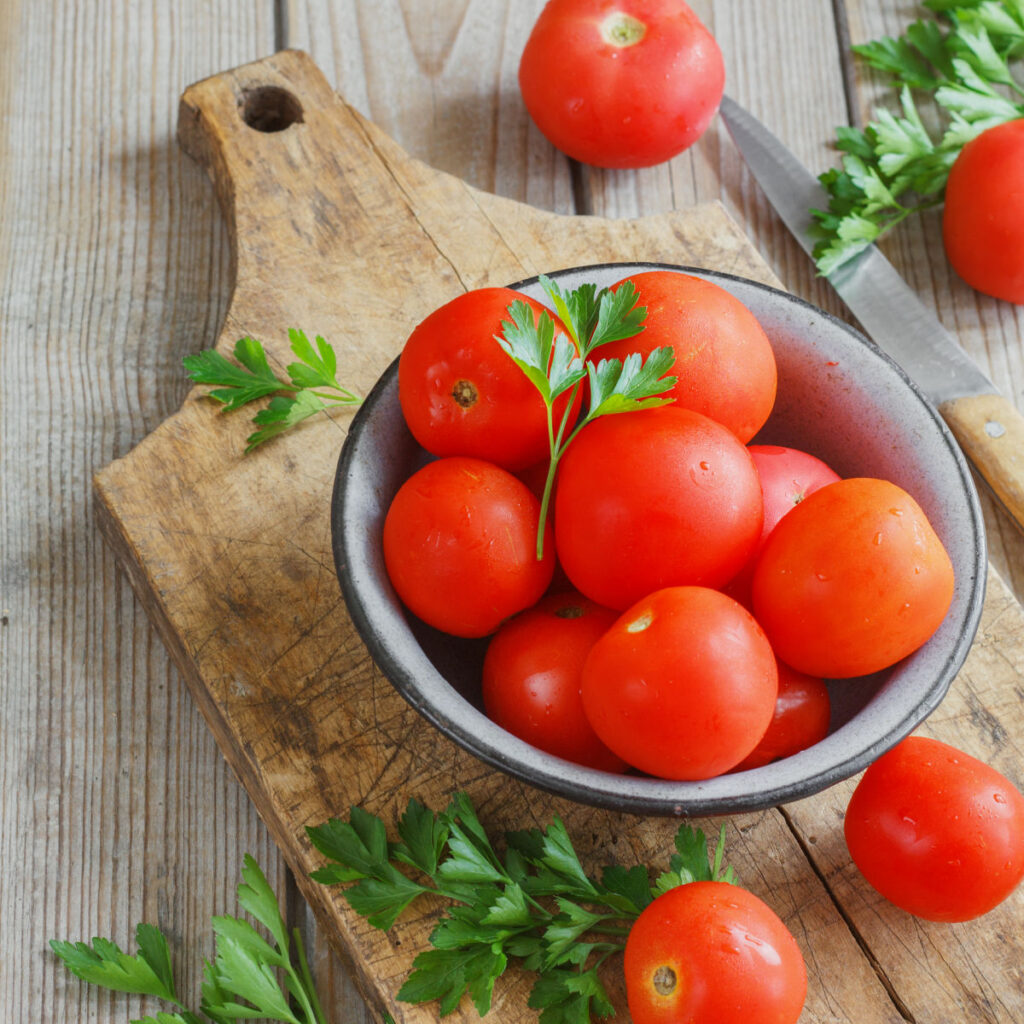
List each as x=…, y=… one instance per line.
x=839, y=398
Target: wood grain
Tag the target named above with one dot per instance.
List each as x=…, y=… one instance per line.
x=440, y=76
x=115, y=803
x=217, y=545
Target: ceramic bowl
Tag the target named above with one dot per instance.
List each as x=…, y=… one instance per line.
x=840, y=398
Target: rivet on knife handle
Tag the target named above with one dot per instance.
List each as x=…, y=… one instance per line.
x=990, y=430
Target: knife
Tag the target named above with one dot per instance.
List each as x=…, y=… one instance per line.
x=988, y=427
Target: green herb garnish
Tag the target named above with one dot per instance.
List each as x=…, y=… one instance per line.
x=555, y=365
x=250, y=976
x=533, y=904
x=312, y=385
x=963, y=61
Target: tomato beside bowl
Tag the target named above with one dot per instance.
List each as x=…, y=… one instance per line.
x=839, y=398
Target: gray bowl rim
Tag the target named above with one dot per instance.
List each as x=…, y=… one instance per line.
x=639, y=794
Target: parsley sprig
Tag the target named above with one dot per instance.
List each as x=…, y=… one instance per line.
x=556, y=365
x=533, y=903
x=251, y=976
x=963, y=63
x=312, y=385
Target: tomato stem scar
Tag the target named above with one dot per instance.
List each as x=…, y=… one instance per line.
x=664, y=980
x=621, y=29
x=570, y=611
x=464, y=394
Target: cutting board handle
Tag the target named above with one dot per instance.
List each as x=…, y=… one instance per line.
x=275, y=139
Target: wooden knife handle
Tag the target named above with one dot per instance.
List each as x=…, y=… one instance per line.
x=990, y=430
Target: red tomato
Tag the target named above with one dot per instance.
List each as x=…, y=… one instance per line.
x=787, y=476
x=724, y=361
x=683, y=685
x=851, y=580
x=663, y=497
x=621, y=83
x=983, y=220
x=460, y=546
x=801, y=718
x=531, y=678
x=461, y=394
x=712, y=953
x=936, y=831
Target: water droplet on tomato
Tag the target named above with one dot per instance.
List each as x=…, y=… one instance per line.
x=896, y=511
x=999, y=798
x=878, y=538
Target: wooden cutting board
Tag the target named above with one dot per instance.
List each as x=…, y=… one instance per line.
x=335, y=230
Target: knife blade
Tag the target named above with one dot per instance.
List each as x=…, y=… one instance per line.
x=988, y=427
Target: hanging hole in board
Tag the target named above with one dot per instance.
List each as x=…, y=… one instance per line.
x=269, y=108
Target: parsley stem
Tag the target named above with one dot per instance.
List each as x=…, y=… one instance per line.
x=344, y=398
x=545, y=502
x=314, y=1012
x=609, y=929
x=557, y=451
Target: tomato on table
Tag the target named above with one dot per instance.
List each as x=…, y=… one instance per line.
x=725, y=366
x=621, y=83
x=853, y=579
x=983, y=218
x=531, y=678
x=801, y=718
x=462, y=395
x=460, y=546
x=937, y=832
x=713, y=952
x=645, y=500
x=683, y=685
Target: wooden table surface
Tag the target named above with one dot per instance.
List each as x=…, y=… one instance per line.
x=115, y=803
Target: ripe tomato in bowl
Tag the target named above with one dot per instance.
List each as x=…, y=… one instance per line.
x=839, y=399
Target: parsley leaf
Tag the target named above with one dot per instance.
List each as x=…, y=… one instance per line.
x=690, y=862
x=534, y=904
x=236, y=385
x=556, y=363
x=570, y=997
x=361, y=853
x=241, y=981
x=293, y=400
x=103, y=963
x=962, y=63
x=446, y=974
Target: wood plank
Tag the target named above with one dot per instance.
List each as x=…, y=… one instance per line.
x=212, y=539
x=439, y=76
x=115, y=803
